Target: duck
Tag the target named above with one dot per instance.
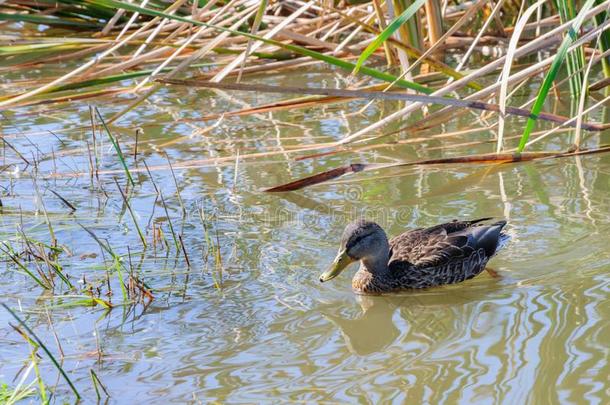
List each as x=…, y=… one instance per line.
x=448, y=253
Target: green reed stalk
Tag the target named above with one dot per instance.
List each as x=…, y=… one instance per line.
x=552, y=73
x=413, y=27
x=605, y=39
x=387, y=33
x=575, y=60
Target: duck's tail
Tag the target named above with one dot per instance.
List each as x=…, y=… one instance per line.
x=503, y=238
x=491, y=235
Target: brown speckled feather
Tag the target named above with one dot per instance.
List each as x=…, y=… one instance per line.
x=443, y=254
x=436, y=245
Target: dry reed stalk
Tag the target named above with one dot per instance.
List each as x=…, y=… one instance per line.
x=512, y=47
x=63, y=79
x=446, y=113
x=200, y=53
x=374, y=95
x=238, y=60
x=435, y=22
x=135, y=61
x=526, y=49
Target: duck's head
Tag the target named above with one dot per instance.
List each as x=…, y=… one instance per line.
x=361, y=241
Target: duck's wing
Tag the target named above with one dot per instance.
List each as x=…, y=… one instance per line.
x=455, y=226
x=438, y=246
x=420, y=249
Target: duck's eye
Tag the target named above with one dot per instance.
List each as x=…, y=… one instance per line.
x=354, y=241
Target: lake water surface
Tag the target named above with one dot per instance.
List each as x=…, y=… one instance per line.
x=252, y=323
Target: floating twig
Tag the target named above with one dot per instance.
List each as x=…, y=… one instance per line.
x=483, y=158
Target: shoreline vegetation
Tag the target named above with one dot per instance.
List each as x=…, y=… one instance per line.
x=437, y=60
x=405, y=49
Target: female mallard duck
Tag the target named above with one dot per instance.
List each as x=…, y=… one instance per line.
x=443, y=254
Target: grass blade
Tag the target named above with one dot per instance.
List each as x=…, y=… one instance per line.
x=46, y=20
x=116, y=147
x=131, y=213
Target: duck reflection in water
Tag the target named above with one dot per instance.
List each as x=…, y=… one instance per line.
x=427, y=317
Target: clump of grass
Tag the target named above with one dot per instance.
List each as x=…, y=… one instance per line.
x=11, y=396
x=212, y=248
x=34, y=341
x=117, y=263
x=131, y=213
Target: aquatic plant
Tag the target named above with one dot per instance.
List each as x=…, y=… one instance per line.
x=134, y=45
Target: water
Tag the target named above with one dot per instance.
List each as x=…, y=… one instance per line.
x=259, y=325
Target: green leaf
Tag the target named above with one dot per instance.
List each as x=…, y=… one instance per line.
x=47, y=20
x=82, y=300
x=43, y=47
x=552, y=73
x=385, y=34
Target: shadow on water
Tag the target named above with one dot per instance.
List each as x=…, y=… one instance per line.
x=381, y=321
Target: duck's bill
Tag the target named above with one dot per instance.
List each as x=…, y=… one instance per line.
x=341, y=262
